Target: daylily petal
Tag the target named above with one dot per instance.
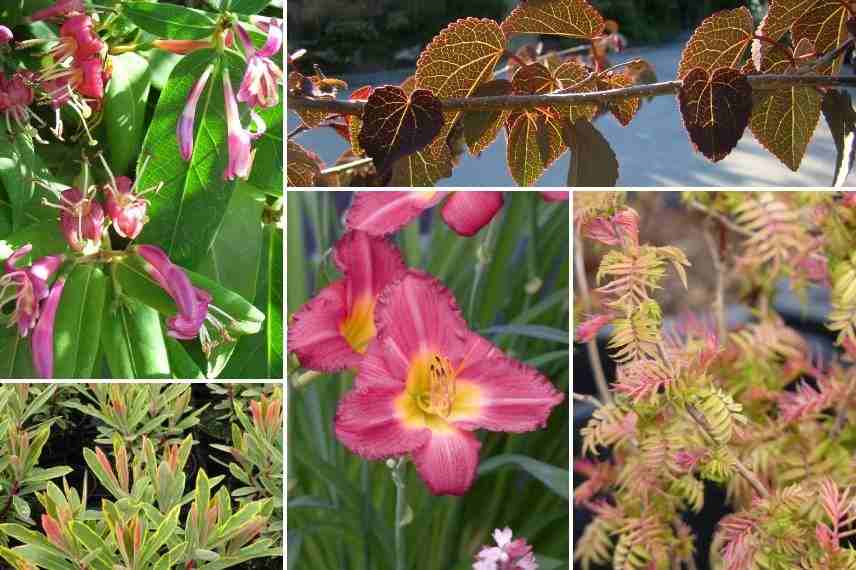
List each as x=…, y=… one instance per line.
x=314, y=334
x=468, y=212
x=419, y=314
x=382, y=213
x=448, y=461
x=555, y=196
x=512, y=397
x=367, y=423
x=42, y=339
x=369, y=263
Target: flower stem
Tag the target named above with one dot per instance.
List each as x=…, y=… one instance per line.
x=483, y=255
x=399, y=474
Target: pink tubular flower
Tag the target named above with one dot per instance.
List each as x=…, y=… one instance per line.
x=188, y=116
x=5, y=35
x=192, y=303
x=60, y=9
x=28, y=287
x=508, y=554
x=260, y=85
x=78, y=40
x=334, y=329
x=42, y=341
x=427, y=382
x=240, y=139
x=382, y=213
x=81, y=219
x=126, y=209
x=15, y=98
x=181, y=47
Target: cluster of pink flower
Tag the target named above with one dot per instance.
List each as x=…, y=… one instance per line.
x=259, y=89
x=424, y=381
x=77, y=72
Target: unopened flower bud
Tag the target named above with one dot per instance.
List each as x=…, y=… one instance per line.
x=125, y=209
x=5, y=35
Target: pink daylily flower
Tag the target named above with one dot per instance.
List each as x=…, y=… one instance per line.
x=239, y=139
x=192, y=303
x=60, y=9
x=383, y=213
x=260, y=85
x=81, y=220
x=42, y=341
x=334, y=329
x=126, y=209
x=427, y=382
x=508, y=554
x=27, y=286
x=184, y=132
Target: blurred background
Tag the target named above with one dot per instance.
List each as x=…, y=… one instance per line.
x=377, y=42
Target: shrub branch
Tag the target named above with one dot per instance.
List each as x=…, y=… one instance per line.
x=512, y=102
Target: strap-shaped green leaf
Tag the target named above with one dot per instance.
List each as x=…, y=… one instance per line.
x=557, y=480
x=77, y=329
x=125, y=109
x=171, y=21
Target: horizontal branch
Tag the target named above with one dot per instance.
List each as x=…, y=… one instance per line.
x=510, y=102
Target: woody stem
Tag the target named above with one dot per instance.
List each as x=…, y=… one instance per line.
x=521, y=102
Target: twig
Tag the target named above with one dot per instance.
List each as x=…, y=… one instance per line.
x=519, y=102
x=589, y=399
x=347, y=166
x=585, y=296
x=299, y=129
x=720, y=218
x=719, y=300
x=744, y=471
x=829, y=57
x=542, y=57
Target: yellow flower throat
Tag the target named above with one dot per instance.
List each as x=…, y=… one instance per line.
x=437, y=391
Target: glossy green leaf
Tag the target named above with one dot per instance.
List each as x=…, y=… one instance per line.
x=267, y=165
x=558, y=480
x=125, y=109
x=182, y=365
x=187, y=212
x=171, y=21
x=77, y=329
x=133, y=342
x=19, y=166
x=248, y=6
x=16, y=361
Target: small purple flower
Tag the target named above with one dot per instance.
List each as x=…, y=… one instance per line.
x=27, y=287
x=188, y=116
x=260, y=85
x=5, y=35
x=42, y=341
x=240, y=139
x=126, y=209
x=192, y=303
x=81, y=219
x=508, y=554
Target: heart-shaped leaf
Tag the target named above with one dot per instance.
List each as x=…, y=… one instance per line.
x=823, y=22
x=534, y=143
x=481, y=127
x=593, y=162
x=570, y=18
x=422, y=168
x=304, y=166
x=719, y=41
x=716, y=109
x=395, y=125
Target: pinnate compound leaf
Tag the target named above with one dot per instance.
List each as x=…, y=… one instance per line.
x=534, y=143
x=304, y=166
x=396, y=125
x=171, y=21
x=838, y=111
x=593, y=162
x=783, y=120
x=481, y=127
x=570, y=18
x=719, y=41
x=459, y=59
x=716, y=108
